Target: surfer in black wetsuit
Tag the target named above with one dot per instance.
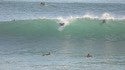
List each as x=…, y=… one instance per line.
x=88, y=56
x=42, y=3
x=46, y=54
x=61, y=24
x=103, y=21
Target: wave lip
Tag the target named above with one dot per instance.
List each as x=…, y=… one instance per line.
x=66, y=19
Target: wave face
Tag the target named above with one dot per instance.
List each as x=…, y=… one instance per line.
x=112, y=30
x=44, y=44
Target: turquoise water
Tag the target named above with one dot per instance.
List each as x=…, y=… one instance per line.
x=76, y=28
x=31, y=37
x=23, y=44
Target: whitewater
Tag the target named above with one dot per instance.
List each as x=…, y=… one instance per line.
x=31, y=37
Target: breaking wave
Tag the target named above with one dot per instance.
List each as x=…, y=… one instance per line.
x=105, y=15
x=81, y=28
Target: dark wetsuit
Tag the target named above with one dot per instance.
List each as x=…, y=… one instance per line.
x=103, y=21
x=89, y=56
x=61, y=24
x=42, y=3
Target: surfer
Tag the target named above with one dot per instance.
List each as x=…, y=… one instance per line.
x=46, y=54
x=42, y=3
x=61, y=24
x=103, y=21
x=88, y=56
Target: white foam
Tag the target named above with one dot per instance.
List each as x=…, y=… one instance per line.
x=68, y=19
x=65, y=21
x=107, y=16
x=124, y=17
x=61, y=28
x=89, y=16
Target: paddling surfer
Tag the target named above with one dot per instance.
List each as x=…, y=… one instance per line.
x=45, y=54
x=42, y=3
x=88, y=56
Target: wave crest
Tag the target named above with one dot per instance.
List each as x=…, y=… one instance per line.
x=107, y=16
x=68, y=19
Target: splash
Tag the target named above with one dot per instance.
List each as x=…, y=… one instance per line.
x=66, y=22
x=107, y=16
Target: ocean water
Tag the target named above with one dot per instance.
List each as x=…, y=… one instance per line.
x=31, y=37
